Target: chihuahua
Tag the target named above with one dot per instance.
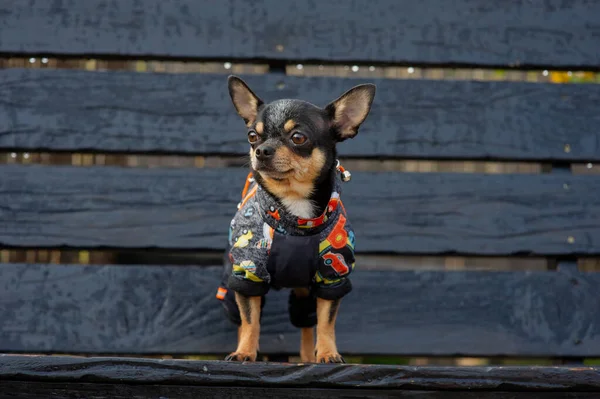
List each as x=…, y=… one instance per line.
x=291, y=229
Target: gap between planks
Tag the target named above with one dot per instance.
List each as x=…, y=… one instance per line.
x=293, y=69
x=352, y=164
x=209, y=258
x=370, y=165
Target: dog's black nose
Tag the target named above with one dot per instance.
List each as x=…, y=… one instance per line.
x=264, y=152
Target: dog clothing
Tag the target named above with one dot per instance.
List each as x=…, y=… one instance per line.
x=270, y=247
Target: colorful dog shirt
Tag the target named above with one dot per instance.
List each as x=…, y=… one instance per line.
x=269, y=247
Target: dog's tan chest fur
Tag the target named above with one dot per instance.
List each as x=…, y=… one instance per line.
x=299, y=207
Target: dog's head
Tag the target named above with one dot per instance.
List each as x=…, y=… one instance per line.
x=293, y=142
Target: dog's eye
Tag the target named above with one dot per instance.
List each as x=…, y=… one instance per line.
x=252, y=137
x=298, y=138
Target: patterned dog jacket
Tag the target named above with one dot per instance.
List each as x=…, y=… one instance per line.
x=269, y=247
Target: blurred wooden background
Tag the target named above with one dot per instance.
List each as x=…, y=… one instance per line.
x=8, y=255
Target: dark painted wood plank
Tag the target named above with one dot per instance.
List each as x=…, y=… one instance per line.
x=77, y=390
x=172, y=309
x=192, y=114
x=429, y=31
x=362, y=378
x=408, y=213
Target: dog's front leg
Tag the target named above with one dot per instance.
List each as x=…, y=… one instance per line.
x=326, y=349
x=249, y=331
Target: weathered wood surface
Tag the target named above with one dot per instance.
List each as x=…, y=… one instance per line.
x=430, y=31
x=192, y=113
x=362, y=378
x=57, y=390
x=141, y=309
x=77, y=390
x=408, y=213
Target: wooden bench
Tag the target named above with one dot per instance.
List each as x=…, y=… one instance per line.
x=129, y=309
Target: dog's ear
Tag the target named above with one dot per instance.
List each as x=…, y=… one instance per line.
x=245, y=101
x=350, y=110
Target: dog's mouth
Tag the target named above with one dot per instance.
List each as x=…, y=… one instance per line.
x=274, y=174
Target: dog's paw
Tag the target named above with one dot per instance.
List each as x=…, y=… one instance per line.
x=329, y=357
x=241, y=357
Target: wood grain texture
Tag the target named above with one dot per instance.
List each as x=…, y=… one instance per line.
x=192, y=114
x=362, y=378
x=431, y=31
x=142, y=309
x=77, y=390
x=407, y=213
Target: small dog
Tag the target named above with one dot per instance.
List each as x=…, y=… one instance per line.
x=291, y=229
